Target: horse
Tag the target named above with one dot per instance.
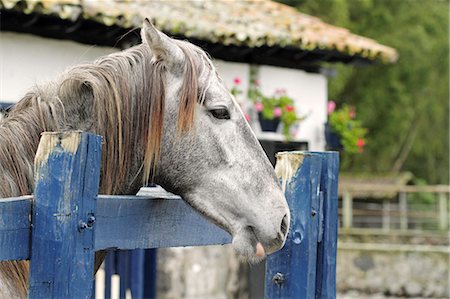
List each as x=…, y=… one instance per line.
x=167, y=118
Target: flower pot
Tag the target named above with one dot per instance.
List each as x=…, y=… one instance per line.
x=268, y=125
x=333, y=140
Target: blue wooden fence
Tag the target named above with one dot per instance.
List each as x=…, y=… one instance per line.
x=69, y=222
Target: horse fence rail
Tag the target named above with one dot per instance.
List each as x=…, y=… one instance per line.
x=69, y=222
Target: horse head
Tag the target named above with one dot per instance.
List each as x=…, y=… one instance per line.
x=208, y=153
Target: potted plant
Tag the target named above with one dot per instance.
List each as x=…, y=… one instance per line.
x=343, y=131
x=277, y=109
x=272, y=111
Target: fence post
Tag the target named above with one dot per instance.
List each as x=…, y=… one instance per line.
x=443, y=211
x=328, y=231
x=291, y=272
x=403, y=205
x=386, y=221
x=67, y=170
x=347, y=210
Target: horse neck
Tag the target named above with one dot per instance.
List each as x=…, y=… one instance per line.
x=19, y=138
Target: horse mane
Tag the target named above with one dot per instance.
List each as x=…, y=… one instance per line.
x=119, y=96
x=19, y=135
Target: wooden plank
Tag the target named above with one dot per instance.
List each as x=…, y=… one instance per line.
x=15, y=228
x=443, y=211
x=394, y=232
x=125, y=222
x=327, y=247
x=110, y=270
x=383, y=188
x=130, y=222
x=291, y=272
x=391, y=248
x=150, y=266
x=347, y=210
x=403, y=209
x=123, y=262
x=395, y=214
x=386, y=215
x=137, y=273
x=67, y=169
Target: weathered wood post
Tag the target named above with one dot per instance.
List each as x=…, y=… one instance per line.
x=328, y=231
x=403, y=206
x=306, y=266
x=347, y=210
x=386, y=220
x=443, y=211
x=67, y=170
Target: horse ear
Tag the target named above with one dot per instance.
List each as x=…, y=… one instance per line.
x=162, y=47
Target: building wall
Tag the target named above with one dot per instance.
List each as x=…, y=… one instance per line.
x=230, y=70
x=27, y=60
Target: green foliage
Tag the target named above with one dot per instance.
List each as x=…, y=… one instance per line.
x=405, y=106
x=278, y=106
x=349, y=129
x=422, y=199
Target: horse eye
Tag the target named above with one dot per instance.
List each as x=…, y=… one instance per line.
x=220, y=113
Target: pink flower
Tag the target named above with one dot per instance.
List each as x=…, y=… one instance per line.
x=247, y=117
x=237, y=80
x=352, y=113
x=277, y=112
x=259, y=106
x=331, y=107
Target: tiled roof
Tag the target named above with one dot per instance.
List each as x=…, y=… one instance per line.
x=242, y=23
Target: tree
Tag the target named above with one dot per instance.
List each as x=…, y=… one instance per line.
x=405, y=106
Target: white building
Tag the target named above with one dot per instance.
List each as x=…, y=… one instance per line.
x=40, y=39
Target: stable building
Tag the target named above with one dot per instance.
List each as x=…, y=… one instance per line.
x=282, y=47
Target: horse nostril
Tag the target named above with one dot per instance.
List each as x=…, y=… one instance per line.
x=284, y=226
